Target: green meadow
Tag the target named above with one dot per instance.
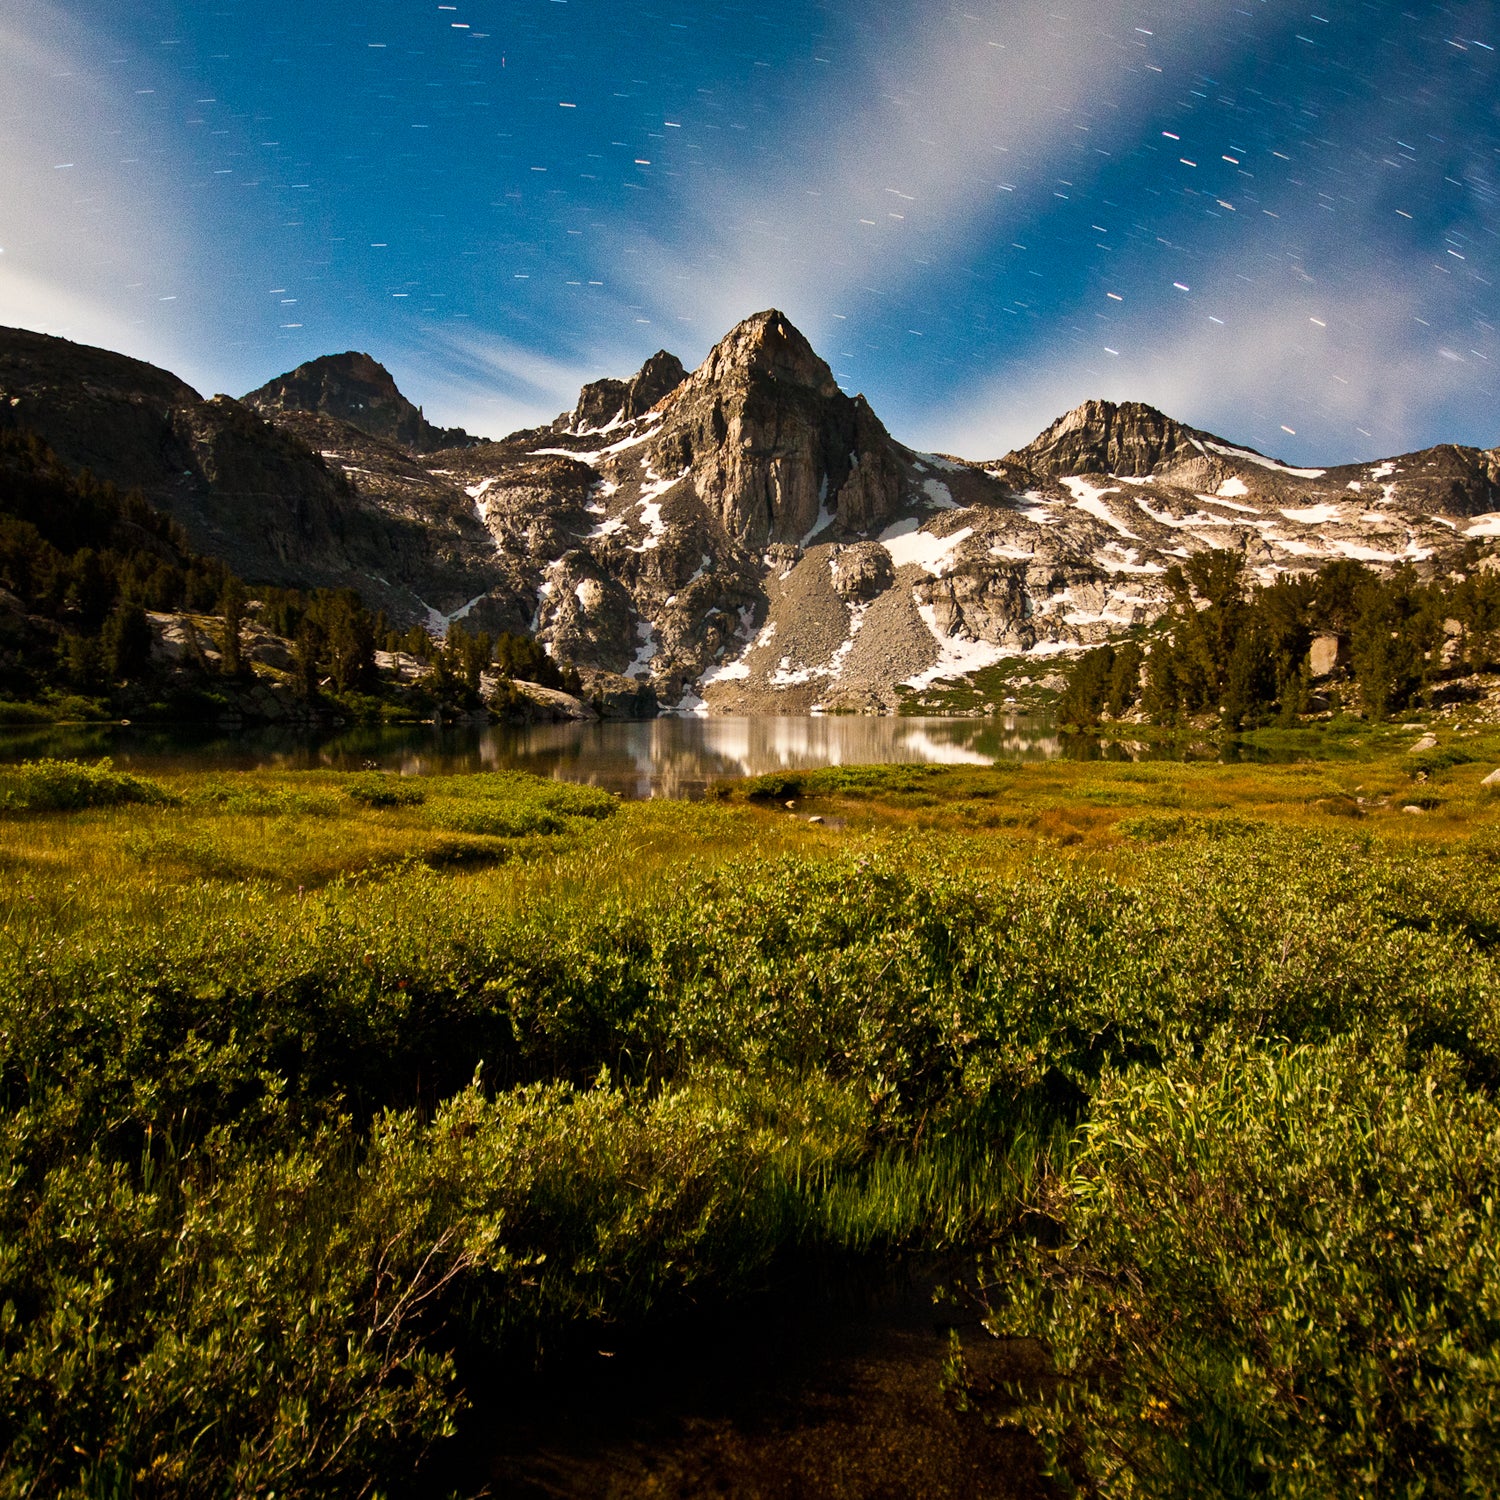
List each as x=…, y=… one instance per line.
x=324, y=1092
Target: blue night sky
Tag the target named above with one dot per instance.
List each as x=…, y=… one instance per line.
x=1274, y=220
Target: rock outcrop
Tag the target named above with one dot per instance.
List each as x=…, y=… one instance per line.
x=358, y=390
x=1130, y=440
x=605, y=404
x=774, y=449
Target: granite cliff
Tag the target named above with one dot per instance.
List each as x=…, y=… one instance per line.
x=744, y=536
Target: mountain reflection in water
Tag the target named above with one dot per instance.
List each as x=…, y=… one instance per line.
x=667, y=757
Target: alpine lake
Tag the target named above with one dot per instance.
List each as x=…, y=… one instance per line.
x=676, y=757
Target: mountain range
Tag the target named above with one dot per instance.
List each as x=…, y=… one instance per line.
x=746, y=536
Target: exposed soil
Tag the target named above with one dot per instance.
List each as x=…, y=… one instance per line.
x=828, y=1391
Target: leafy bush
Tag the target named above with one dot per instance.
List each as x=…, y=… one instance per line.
x=24, y=713
x=274, y=1158
x=831, y=781
x=775, y=786
x=1432, y=761
x=63, y=785
x=512, y=804
x=375, y=789
x=1280, y=1275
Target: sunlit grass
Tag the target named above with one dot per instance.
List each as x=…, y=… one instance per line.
x=280, y=1044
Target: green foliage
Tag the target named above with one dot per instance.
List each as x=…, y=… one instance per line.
x=88, y=561
x=65, y=785
x=278, y=1160
x=842, y=781
x=1279, y=1275
x=1432, y=761
x=376, y=789
x=1243, y=654
x=1107, y=678
x=511, y=804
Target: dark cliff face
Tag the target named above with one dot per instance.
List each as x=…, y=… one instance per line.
x=95, y=409
x=358, y=390
x=257, y=493
x=772, y=444
x=603, y=403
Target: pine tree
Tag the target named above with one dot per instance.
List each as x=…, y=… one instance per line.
x=231, y=662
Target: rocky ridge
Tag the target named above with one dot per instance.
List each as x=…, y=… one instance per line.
x=743, y=537
x=359, y=390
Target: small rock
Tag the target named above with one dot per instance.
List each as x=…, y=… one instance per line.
x=815, y=819
x=1427, y=742
x=1411, y=807
x=1493, y=779
x=791, y=804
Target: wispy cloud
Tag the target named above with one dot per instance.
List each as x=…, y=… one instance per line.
x=1350, y=372
x=493, y=385
x=91, y=250
x=917, y=142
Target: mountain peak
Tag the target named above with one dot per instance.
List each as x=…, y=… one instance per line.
x=356, y=388
x=603, y=402
x=770, y=344
x=1105, y=437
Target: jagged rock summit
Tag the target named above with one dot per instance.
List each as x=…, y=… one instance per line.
x=358, y=390
x=743, y=538
x=604, y=404
x=775, y=450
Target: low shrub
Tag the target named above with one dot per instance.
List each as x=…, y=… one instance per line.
x=24, y=713
x=1278, y=1275
x=511, y=804
x=379, y=789
x=1429, y=762
x=775, y=786
x=65, y=785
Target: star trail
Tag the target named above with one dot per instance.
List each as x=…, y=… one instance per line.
x=1275, y=221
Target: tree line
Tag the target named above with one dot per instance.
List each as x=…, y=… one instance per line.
x=1243, y=652
x=90, y=563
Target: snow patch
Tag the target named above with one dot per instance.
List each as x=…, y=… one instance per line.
x=937, y=461
x=824, y=516
x=1090, y=499
x=957, y=656
x=1274, y=464
x=646, y=633
x=906, y=544
x=939, y=496
x=1486, y=525
x=1312, y=515
x=1374, y=554
x=1233, y=488
x=1126, y=562
x=438, y=622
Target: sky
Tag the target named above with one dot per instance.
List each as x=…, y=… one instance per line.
x=1276, y=221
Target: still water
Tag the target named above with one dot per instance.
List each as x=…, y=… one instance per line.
x=665, y=757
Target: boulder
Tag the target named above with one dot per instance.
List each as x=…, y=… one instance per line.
x=861, y=572
x=545, y=705
x=615, y=697
x=1324, y=655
